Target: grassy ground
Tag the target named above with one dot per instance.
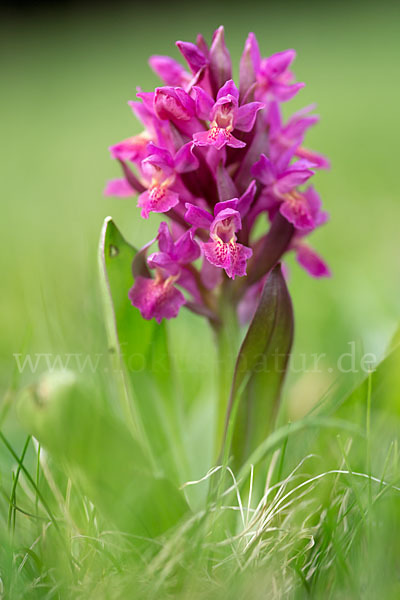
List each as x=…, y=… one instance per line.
x=66, y=79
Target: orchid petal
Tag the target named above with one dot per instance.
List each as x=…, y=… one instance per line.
x=198, y=217
x=246, y=116
x=264, y=170
x=119, y=187
x=193, y=56
x=311, y=261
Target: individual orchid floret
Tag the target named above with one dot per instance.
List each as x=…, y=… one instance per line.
x=157, y=298
x=291, y=134
x=224, y=115
x=223, y=250
x=274, y=80
x=172, y=254
x=281, y=181
x=159, y=171
x=174, y=104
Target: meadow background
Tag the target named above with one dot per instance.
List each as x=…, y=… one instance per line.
x=66, y=76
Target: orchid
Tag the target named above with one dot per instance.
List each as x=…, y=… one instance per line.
x=158, y=297
x=223, y=250
x=214, y=158
x=224, y=115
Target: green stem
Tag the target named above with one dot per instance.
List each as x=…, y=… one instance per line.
x=227, y=335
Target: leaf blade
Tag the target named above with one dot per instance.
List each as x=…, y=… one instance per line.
x=260, y=369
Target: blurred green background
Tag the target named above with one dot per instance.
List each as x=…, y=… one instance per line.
x=66, y=78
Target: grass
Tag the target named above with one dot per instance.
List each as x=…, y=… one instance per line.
x=323, y=524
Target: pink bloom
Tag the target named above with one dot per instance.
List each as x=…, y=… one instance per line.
x=281, y=181
x=224, y=115
x=283, y=137
x=160, y=171
x=174, y=104
x=274, y=80
x=133, y=149
x=156, y=298
x=173, y=254
x=223, y=250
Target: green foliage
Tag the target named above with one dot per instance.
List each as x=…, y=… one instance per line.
x=260, y=370
x=141, y=357
x=100, y=454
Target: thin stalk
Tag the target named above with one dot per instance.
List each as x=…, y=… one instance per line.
x=11, y=510
x=227, y=335
x=37, y=479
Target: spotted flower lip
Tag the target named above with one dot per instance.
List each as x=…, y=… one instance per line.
x=217, y=159
x=222, y=250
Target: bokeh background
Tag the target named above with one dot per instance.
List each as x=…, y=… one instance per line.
x=68, y=70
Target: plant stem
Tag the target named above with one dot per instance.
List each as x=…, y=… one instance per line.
x=227, y=335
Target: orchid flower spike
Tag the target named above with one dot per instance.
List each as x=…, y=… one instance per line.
x=219, y=163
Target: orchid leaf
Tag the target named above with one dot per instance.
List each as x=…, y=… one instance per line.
x=260, y=370
x=66, y=415
x=140, y=355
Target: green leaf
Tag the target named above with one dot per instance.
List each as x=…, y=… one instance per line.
x=64, y=413
x=140, y=358
x=129, y=334
x=260, y=370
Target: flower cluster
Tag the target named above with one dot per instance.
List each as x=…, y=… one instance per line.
x=218, y=161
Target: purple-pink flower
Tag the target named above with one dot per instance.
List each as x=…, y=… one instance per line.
x=159, y=297
x=156, y=298
x=220, y=162
x=224, y=115
x=222, y=250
